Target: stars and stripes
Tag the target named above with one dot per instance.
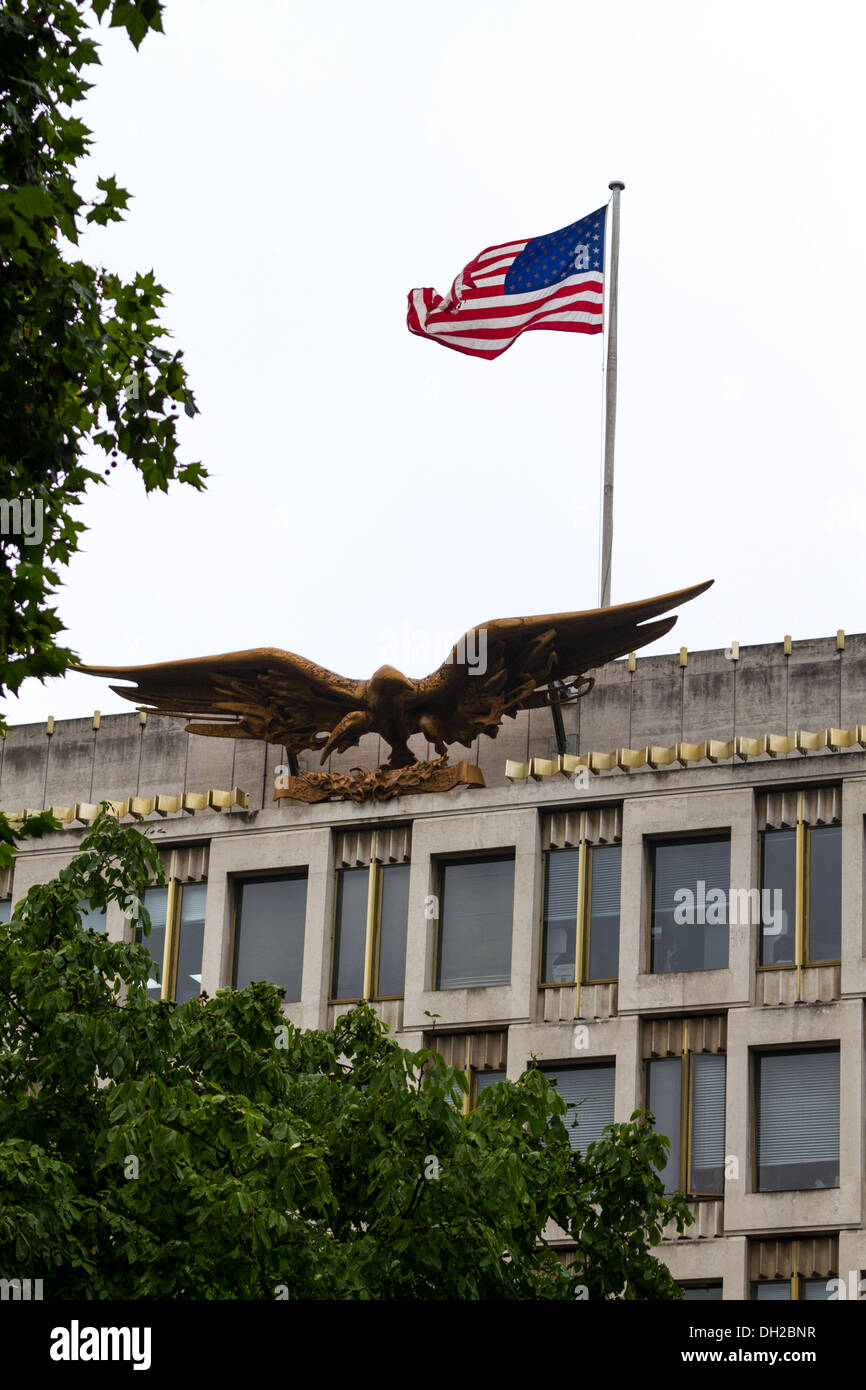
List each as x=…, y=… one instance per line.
x=554, y=281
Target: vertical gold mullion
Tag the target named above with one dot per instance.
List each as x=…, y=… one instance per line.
x=370, y=937
x=580, y=924
x=799, y=895
x=795, y=1277
x=169, y=954
x=685, y=1109
x=467, y=1097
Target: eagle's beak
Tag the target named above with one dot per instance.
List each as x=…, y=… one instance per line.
x=356, y=720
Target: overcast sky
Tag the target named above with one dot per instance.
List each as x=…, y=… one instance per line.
x=297, y=169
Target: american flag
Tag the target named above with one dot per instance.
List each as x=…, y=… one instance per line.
x=554, y=281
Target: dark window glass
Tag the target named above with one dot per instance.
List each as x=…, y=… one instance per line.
x=708, y=1124
x=393, y=919
x=774, y=1291
x=778, y=895
x=798, y=1120
x=691, y=880
x=815, y=1290
x=589, y=1094
x=825, y=892
x=351, y=933
x=604, y=889
x=702, y=1293
x=475, y=924
x=560, y=916
x=664, y=1080
x=190, y=945
x=269, y=934
x=5, y=910
x=155, y=900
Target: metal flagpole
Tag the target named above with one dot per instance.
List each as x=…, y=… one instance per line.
x=610, y=402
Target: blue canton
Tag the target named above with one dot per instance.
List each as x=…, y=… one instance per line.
x=546, y=260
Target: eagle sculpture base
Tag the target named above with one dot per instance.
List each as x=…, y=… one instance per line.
x=382, y=783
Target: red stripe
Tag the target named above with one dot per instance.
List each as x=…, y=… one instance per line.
x=506, y=311
x=484, y=335
x=561, y=304
x=490, y=353
x=567, y=327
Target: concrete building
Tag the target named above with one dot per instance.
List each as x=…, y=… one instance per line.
x=669, y=914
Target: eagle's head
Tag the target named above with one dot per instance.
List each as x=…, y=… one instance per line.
x=388, y=682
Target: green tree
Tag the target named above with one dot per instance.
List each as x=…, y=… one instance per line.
x=83, y=366
x=211, y=1150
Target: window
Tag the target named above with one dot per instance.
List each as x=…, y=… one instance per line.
x=190, y=942
x=155, y=900
x=370, y=932
x=476, y=915
x=479, y=1054
x=687, y=1096
x=589, y=1094
x=794, y=1290
x=801, y=872
x=478, y=1081
x=581, y=925
x=702, y=1293
x=483, y=1079
x=270, y=915
x=689, y=905
x=802, y=1269
x=5, y=909
x=176, y=939
x=797, y=1110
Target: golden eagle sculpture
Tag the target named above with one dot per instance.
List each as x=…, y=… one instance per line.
x=500, y=667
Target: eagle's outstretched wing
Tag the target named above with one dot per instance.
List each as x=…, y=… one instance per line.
x=502, y=666
x=265, y=694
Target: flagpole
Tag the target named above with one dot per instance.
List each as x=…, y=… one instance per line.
x=610, y=401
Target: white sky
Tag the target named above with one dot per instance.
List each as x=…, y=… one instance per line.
x=296, y=169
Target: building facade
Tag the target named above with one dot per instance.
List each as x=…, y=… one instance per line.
x=670, y=914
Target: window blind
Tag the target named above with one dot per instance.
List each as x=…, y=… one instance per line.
x=685, y=864
x=604, y=912
x=483, y=1079
x=708, y=1123
x=560, y=884
x=476, y=923
x=269, y=933
x=825, y=892
x=798, y=1120
x=156, y=902
x=778, y=885
x=590, y=1090
x=690, y=932
x=190, y=946
x=663, y=1091
x=560, y=915
x=350, y=934
x=393, y=922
